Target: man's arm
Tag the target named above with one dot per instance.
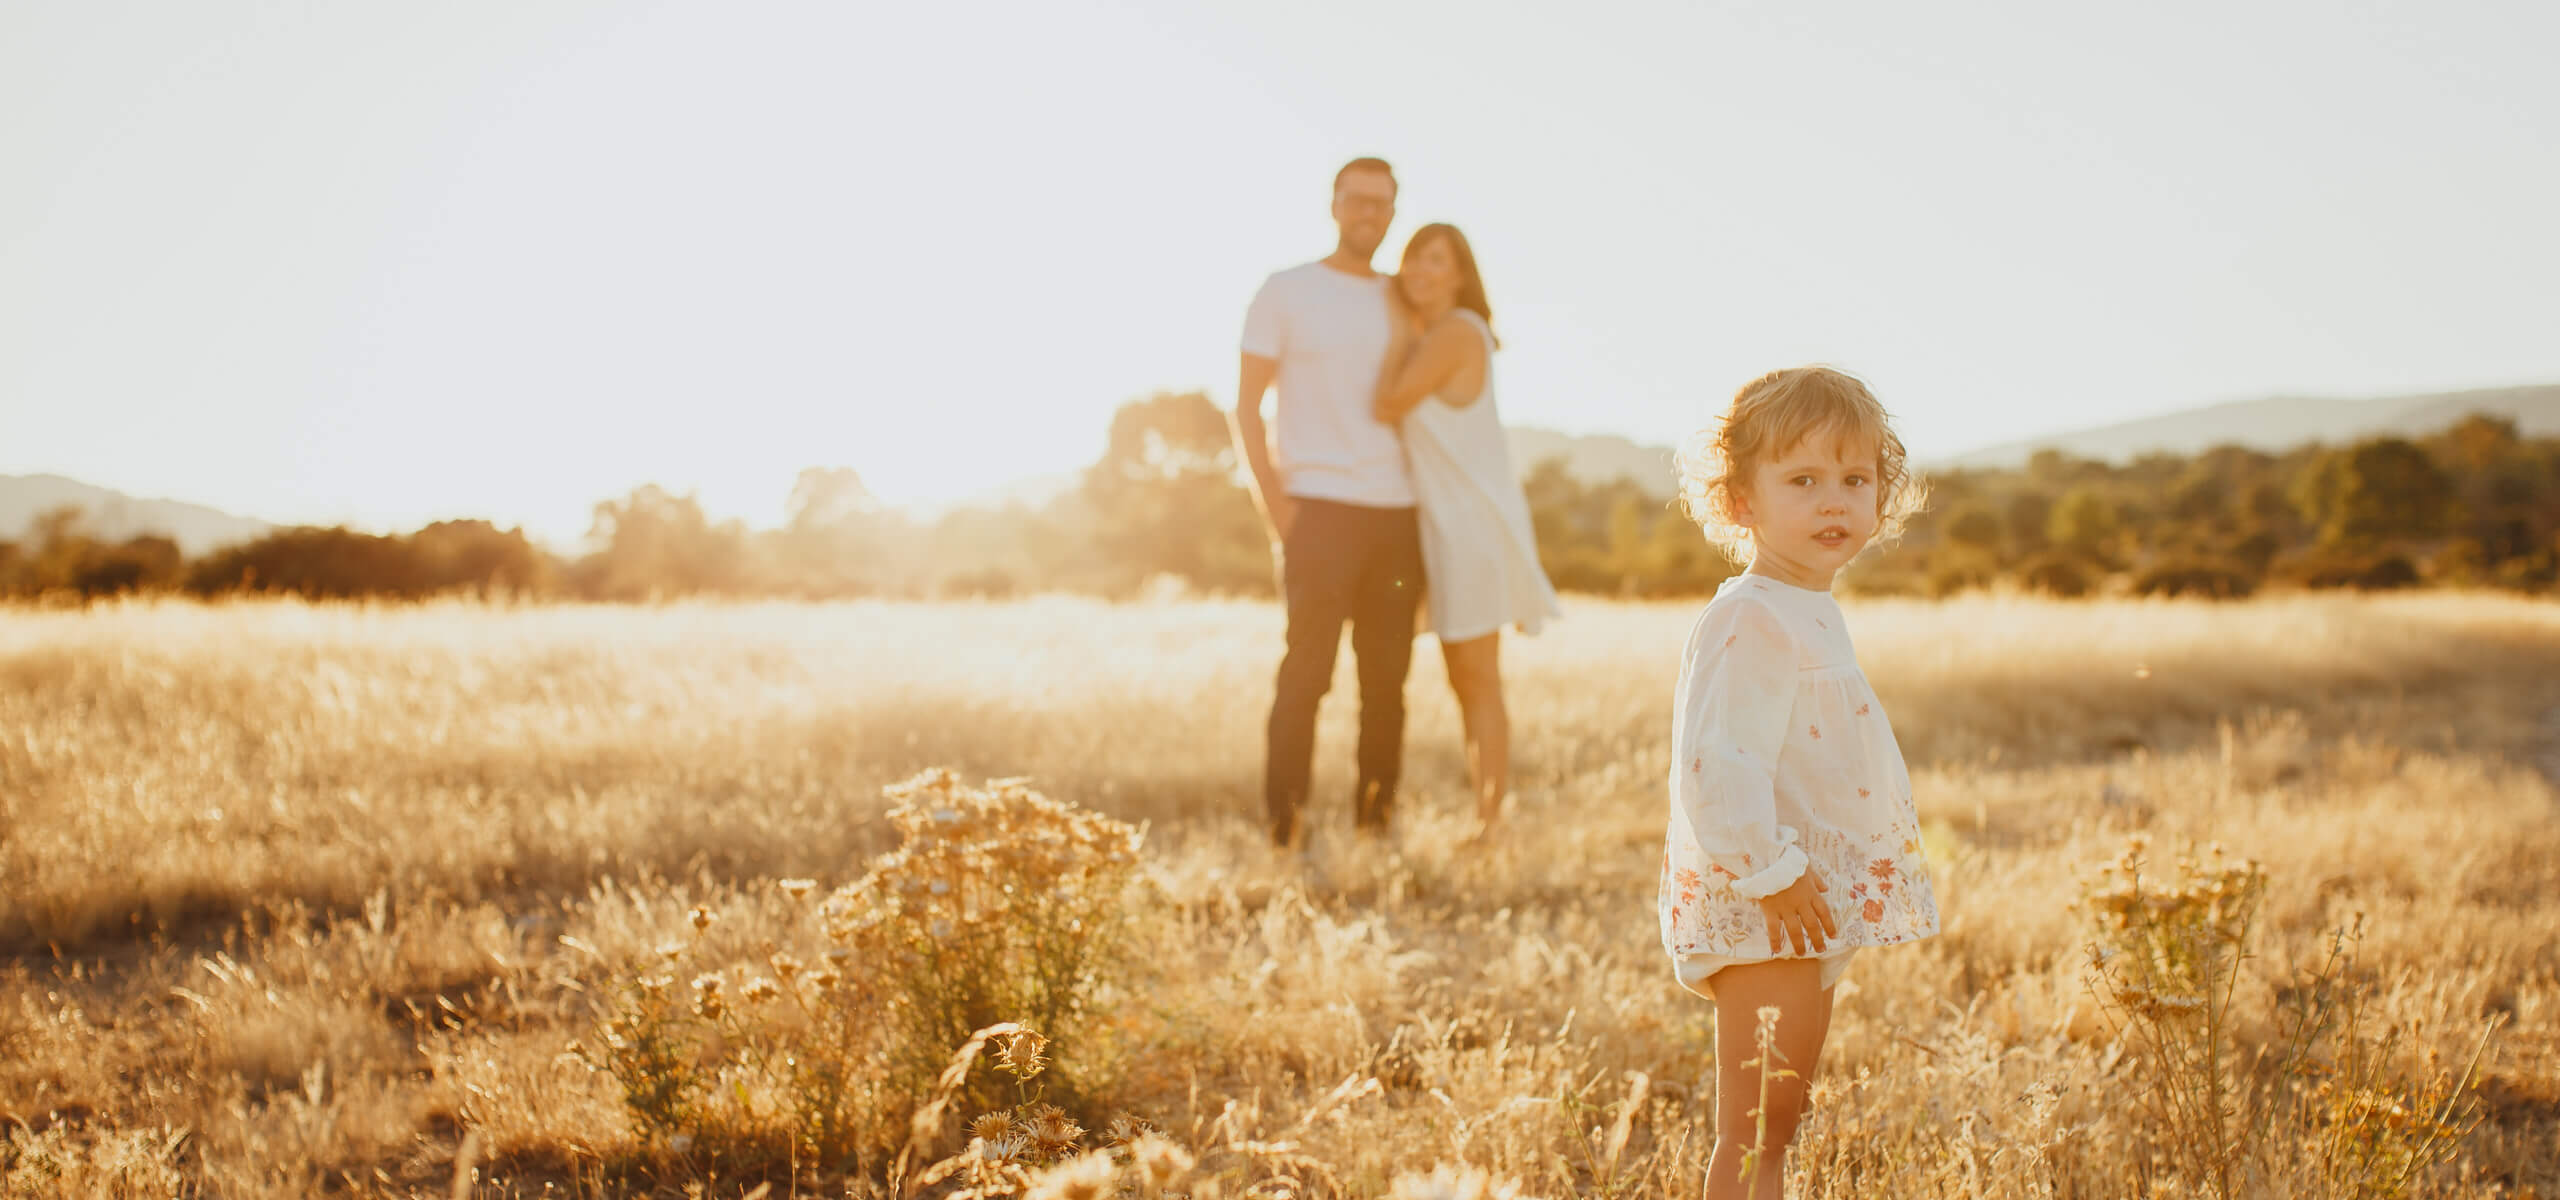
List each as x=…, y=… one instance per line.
x=1254, y=446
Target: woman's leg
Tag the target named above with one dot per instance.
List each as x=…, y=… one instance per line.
x=1475, y=674
x=1793, y=986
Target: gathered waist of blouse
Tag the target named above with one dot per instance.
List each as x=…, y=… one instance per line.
x=1847, y=670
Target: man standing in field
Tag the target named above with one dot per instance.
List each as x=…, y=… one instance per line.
x=1338, y=499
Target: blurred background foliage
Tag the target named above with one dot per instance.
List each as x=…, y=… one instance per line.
x=2475, y=505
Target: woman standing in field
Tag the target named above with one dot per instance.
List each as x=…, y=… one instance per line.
x=1479, y=552
x=1792, y=839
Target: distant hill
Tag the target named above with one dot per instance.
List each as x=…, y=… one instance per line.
x=2283, y=422
x=114, y=516
x=1593, y=459
x=2273, y=424
x=2280, y=423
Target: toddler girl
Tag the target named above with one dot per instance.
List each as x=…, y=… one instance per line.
x=1792, y=841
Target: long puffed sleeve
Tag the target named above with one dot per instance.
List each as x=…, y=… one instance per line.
x=1737, y=697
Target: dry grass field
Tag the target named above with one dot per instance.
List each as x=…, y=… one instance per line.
x=302, y=900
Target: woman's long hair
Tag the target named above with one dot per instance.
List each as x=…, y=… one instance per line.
x=1470, y=283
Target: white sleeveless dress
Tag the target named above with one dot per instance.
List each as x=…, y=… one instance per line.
x=1479, y=551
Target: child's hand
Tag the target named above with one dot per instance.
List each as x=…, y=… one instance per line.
x=1799, y=914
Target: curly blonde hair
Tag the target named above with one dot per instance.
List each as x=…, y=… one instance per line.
x=1768, y=418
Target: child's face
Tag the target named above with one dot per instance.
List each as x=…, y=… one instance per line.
x=1811, y=509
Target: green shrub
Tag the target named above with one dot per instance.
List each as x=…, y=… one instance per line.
x=2531, y=573
x=983, y=583
x=1960, y=570
x=2057, y=575
x=2364, y=571
x=2195, y=577
x=1883, y=575
x=2255, y=550
x=2462, y=561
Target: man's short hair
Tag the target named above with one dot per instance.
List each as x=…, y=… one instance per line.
x=1378, y=165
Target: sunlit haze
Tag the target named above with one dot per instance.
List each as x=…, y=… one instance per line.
x=386, y=263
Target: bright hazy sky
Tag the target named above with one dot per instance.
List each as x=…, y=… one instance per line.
x=386, y=262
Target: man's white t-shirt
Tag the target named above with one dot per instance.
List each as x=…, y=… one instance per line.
x=1328, y=332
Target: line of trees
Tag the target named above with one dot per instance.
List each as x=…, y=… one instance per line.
x=2475, y=505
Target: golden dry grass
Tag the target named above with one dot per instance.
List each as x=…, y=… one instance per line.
x=303, y=897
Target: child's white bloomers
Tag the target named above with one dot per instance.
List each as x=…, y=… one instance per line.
x=1781, y=756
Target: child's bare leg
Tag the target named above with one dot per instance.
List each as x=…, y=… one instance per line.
x=1794, y=987
x=1475, y=674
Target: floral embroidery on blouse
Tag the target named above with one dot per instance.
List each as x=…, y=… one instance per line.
x=1765, y=669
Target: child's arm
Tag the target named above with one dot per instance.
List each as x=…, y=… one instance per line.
x=1737, y=703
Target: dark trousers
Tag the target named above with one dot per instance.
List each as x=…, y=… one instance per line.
x=1343, y=562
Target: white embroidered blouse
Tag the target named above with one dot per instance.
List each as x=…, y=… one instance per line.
x=1781, y=757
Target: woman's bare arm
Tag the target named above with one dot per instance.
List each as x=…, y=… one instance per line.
x=1446, y=349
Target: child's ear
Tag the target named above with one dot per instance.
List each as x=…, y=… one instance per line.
x=1741, y=506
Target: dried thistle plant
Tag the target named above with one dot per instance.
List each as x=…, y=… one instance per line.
x=2166, y=958
x=1000, y=905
